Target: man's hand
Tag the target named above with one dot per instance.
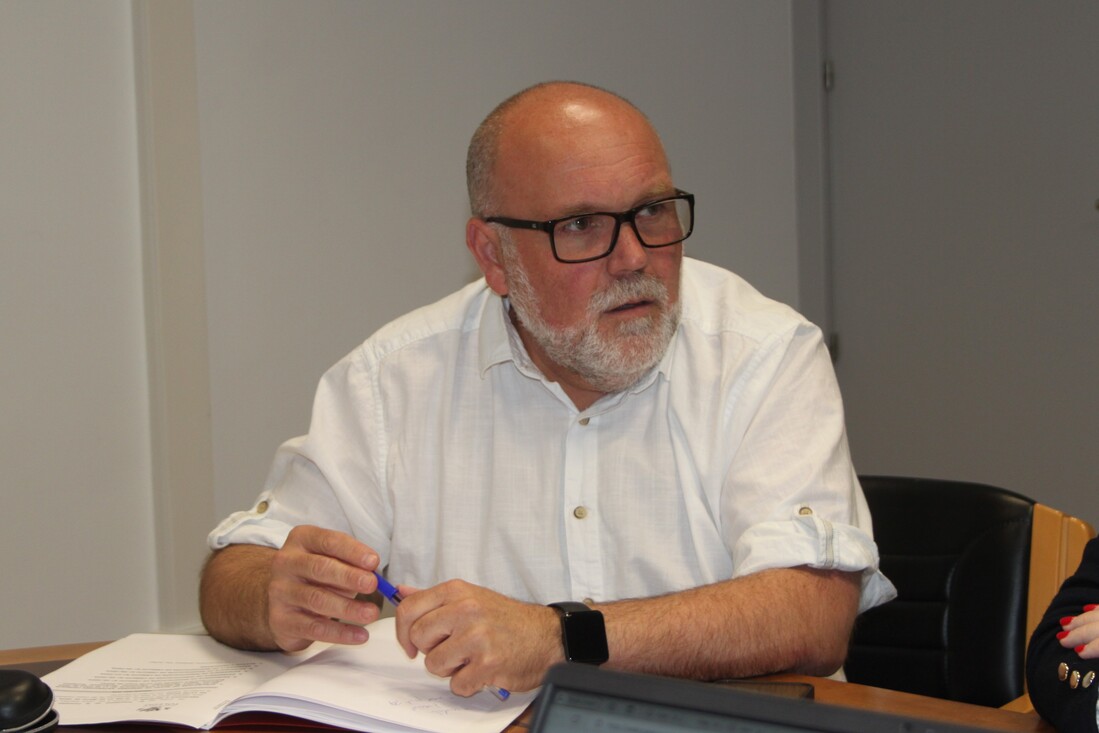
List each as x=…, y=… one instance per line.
x=478, y=637
x=315, y=579
x=259, y=598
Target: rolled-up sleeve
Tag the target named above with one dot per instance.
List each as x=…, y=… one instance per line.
x=808, y=540
x=792, y=497
x=295, y=492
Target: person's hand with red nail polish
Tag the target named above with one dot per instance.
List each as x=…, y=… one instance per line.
x=1081, y=632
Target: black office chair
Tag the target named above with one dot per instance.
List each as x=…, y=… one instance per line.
x=960, y=556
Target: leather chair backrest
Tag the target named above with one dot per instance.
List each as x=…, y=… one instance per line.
x=959, y=555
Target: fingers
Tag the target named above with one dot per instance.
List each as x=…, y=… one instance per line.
x=471, y=660
x=418, y=604
x=295, y=630
x=303, y=611
x=354, y=562
x=315, y=579
x=477, y=637
x=1081, y=633
x=448, y=624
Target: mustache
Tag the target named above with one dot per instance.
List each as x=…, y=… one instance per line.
x=629, y=290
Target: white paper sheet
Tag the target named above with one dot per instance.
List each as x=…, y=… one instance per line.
x=194, y=681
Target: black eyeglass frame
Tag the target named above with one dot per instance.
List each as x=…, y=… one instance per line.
x=619, y=218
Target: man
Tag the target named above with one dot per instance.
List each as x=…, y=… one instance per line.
x=597, y=421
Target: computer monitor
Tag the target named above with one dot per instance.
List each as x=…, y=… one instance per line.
x=582, y=699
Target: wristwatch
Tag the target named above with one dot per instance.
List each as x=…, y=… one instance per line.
x=583, y=635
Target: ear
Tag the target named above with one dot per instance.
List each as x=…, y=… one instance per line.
x=484, y=243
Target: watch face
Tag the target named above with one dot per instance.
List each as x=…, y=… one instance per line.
x=585, y=637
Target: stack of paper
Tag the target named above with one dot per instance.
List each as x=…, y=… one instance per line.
x=198, y=682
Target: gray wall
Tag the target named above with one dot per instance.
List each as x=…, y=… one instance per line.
x=965, y=162
x=76, y=518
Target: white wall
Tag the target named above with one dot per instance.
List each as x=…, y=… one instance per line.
x=75, y=490
x=288, y=177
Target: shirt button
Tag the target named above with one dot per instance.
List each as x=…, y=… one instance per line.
x=261, y=507
x=805, y=511
x=585, y=420
x=580, y=512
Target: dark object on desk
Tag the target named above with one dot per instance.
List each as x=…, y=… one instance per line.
x=580, y=697
x=26, y=703
x=959, y=555
x=1064, y=699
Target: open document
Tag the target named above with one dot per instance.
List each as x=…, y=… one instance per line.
x=198, y=682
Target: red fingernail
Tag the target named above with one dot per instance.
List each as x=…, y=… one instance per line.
x=1066, y=620
x=1091, y=606
x=1079, y=648
x=1061, y=634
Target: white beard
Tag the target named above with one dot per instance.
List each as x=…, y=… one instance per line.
x=607, y=363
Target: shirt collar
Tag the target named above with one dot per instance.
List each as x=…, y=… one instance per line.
x=498, y=341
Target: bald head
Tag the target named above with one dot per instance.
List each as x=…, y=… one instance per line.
x=529, y=122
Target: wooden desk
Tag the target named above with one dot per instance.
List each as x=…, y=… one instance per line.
x=851, y=695
x=41, y=660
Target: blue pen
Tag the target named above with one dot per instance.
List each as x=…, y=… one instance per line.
x=390, y=591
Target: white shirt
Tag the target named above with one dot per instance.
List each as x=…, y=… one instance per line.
x=438, y=443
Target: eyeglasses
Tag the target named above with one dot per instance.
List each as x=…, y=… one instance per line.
x=587, y=237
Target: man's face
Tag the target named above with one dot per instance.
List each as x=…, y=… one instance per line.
x=600, y=324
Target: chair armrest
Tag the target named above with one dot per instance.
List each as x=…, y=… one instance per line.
x=1020, y=704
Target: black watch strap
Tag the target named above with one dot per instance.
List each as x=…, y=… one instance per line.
x=583, y=634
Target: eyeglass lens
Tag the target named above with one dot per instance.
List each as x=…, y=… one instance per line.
x=592, y=235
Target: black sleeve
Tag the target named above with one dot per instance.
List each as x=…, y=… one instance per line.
x=1066, y=708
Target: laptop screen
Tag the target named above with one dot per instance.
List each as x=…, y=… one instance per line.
x=586, y=712
x=577, y=698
